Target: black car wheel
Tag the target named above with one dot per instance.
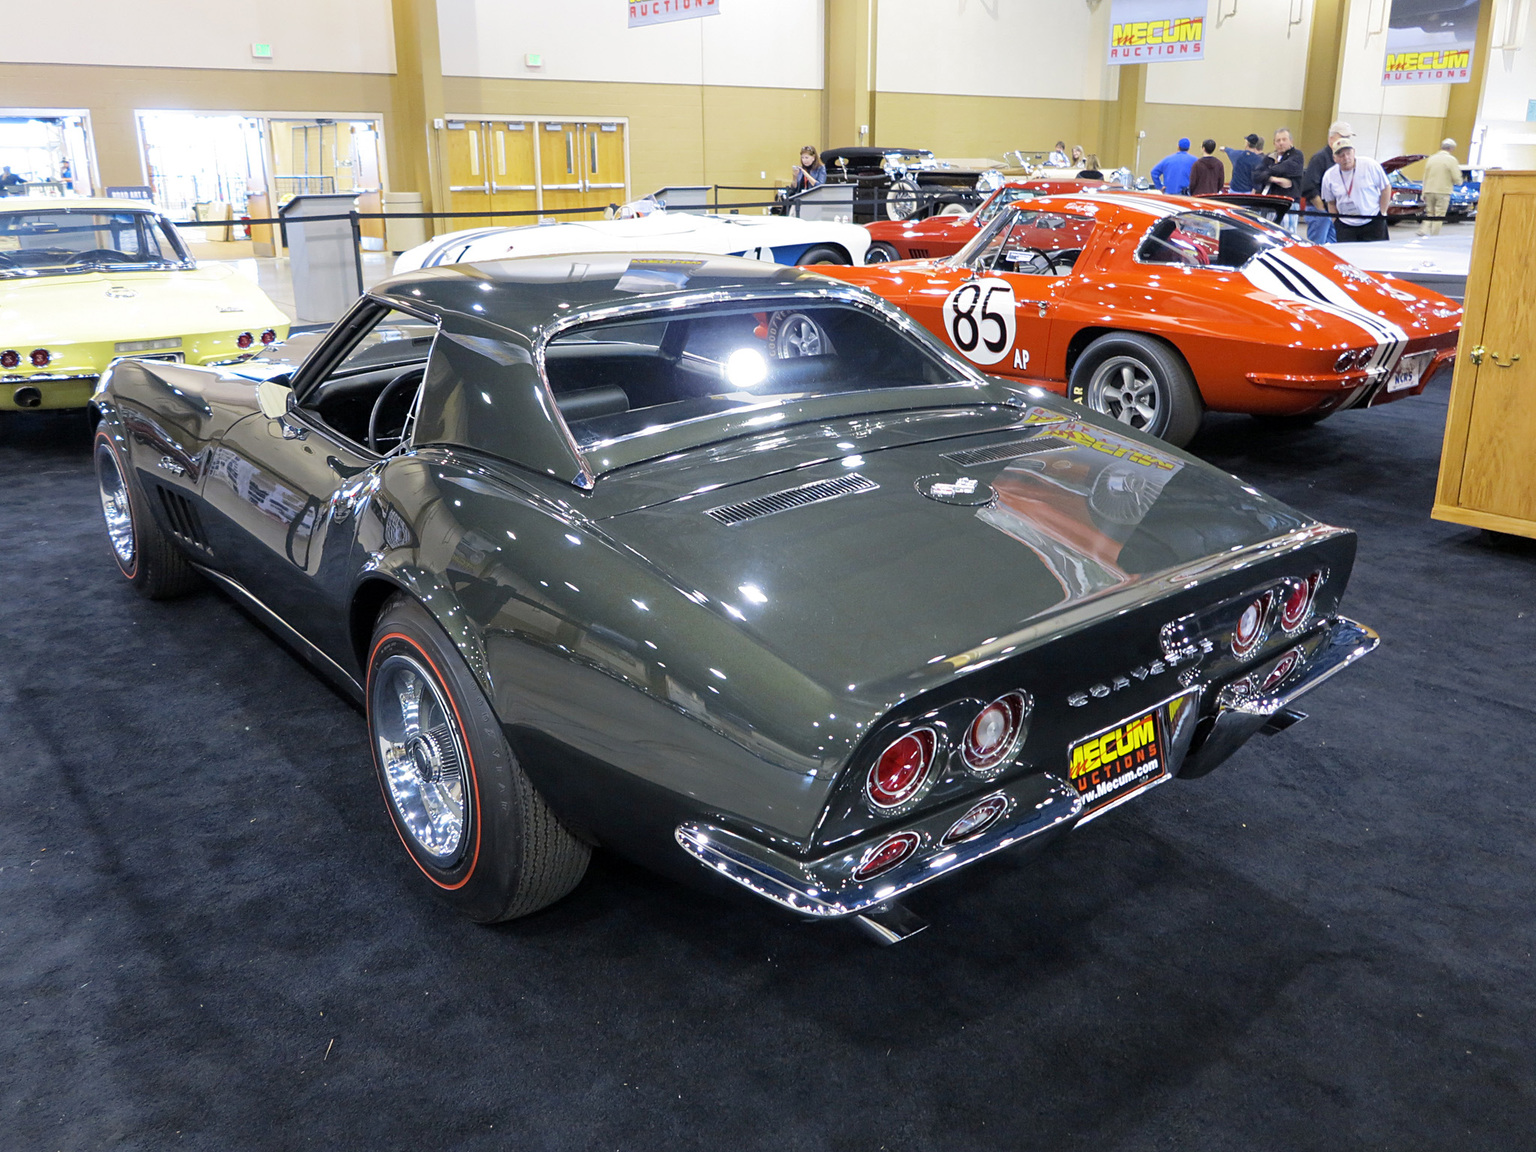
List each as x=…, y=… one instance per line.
x=145, y=554
x=880, y=253
x=1139, y=381
x=824, y=254
x=463, y=807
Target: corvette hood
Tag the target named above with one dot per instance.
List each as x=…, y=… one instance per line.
x=97, y=306
x=879, y=564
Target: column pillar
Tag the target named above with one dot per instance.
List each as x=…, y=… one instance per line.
x=1462, y=106
x=1120, y=120
x=848, y=95
x=1320, y=95
x=416, y=100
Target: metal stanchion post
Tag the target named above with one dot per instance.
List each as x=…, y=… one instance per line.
x=357, y=248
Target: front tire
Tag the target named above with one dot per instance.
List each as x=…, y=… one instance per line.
x=824, y=254
x=466, y=812
x=881, y=253
x=148, y=559
x=1139, y=381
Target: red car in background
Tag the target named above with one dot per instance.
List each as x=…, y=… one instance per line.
x=944, y=235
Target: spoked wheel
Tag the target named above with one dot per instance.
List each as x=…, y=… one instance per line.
x=462, y=805
x=792, y=334
x=147, y=557
x=1141, y=382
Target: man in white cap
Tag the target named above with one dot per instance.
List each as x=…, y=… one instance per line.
x=1357, y=191
x=1320, y=227
x=1442, y=172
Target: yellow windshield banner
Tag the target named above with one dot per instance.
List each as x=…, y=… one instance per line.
x=1430, y=47
x=1156, y=31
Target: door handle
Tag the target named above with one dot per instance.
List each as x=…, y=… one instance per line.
x=1512, y=359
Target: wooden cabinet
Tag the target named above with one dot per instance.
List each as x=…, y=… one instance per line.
x=1488, y=466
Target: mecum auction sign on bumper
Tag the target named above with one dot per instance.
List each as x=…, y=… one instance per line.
x=1430, y=47
x=1154, y=31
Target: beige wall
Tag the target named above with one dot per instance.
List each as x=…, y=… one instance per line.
x=678, y=133
x=975, y=126
x=112, y=95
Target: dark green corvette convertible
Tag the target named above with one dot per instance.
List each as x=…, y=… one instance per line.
x=718, y=563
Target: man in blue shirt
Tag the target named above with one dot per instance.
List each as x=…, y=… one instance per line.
x=1171, y=173
x=1243, y=160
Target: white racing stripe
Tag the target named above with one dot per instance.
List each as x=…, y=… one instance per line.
x=1281, y=274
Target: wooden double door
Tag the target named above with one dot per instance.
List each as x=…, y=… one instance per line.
x=525, y=165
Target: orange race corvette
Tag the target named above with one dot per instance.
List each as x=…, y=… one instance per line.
x=1153, y=309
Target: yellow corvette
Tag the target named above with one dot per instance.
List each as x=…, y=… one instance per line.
x=84, y=282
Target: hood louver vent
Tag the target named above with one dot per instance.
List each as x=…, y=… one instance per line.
x=997, y=453
x=760, y=506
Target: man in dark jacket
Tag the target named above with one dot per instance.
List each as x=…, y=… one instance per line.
x=1207, y=176
x=1320, y=228
x=1243, y=162
x=1280, y=173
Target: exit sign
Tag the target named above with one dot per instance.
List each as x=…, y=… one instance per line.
x=261, y=51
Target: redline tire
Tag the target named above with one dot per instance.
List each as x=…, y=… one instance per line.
x=146, y=556
x=510, y=855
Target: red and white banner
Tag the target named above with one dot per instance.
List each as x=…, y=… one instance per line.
x=643, y=12
x=1430, y=47
x=1156, y=31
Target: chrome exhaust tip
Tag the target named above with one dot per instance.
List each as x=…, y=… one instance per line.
x=27, y=397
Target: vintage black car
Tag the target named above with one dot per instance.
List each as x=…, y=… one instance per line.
x=718, y=563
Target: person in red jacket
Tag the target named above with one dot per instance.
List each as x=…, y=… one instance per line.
x=1208, y=175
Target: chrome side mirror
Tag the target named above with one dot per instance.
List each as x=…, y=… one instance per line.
x=273, y=399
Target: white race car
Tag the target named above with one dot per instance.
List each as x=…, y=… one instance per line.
x=776, y=239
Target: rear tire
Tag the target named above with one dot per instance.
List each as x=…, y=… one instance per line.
x=465, y=810
x=824, y=254
x=880, y=253
x=1139, y=381
x=146, y=556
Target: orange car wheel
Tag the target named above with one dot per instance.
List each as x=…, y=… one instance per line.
x=1140, y=381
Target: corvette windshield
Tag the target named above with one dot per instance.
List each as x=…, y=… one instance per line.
x=635, y=377
x=1207, y=239
x=1029, y=241
x=60, y=240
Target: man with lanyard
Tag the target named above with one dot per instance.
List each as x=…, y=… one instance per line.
x=1279, y=174
x=1357, y=191
x=1320, y=227
x=1243, y=162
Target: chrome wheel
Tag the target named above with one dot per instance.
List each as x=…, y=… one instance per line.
x=422, y=754
x=798, y=335
x=1124, y=388
x=115, y=506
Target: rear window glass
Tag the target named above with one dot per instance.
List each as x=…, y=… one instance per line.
x=1203, y=239
x=627, y=378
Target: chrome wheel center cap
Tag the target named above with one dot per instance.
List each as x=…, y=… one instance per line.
x=426, y=758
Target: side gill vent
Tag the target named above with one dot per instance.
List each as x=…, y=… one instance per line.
x=918, y=253
x=996, y=453
x=183, y=518
x=761, y=506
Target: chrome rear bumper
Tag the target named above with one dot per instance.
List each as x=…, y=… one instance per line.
x=1039, y=806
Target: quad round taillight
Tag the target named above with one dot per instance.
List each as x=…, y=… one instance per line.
x=10, y=358
x=244, y=340
x=887, y=854
x=994, y=735
x=41, y=357
x=1286, y=665
x=976, y=821
x=902, y=770
x=1296, y=607
x=1249, y=632
x=268, y=337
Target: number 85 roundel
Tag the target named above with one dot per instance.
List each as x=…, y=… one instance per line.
x=978, y=318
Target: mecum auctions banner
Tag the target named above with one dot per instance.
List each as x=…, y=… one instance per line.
x=1430, y=43
x=642, y=12
x=1156, y=31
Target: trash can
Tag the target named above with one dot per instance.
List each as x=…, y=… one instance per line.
x=402, y=234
